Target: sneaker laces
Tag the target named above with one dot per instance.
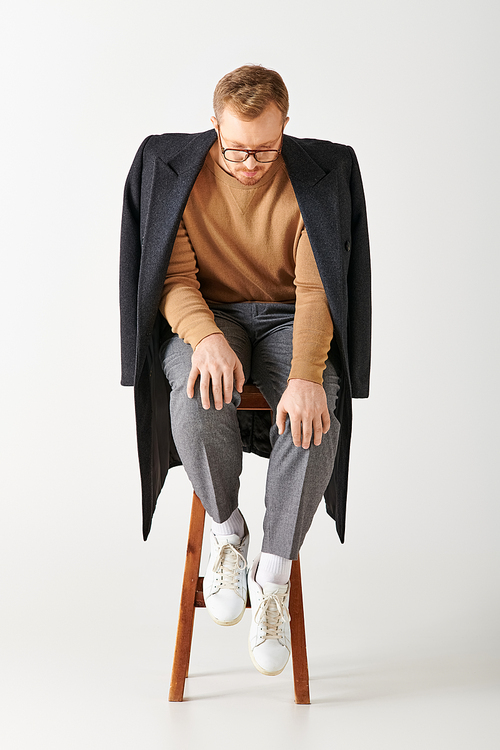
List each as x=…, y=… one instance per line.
x=229, y=565
x=271, y=615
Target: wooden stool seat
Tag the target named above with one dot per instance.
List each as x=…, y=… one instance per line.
x=192, y=592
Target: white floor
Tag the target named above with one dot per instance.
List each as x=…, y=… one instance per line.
x=107, y=696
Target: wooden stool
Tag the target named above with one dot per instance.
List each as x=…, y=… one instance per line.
x=192, y=592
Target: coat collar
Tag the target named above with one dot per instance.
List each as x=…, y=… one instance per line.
x=301, y=167
x=191, y=157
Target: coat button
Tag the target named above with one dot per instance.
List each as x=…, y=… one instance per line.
x=348, y=245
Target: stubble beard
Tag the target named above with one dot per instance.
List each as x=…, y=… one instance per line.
x=242, y=177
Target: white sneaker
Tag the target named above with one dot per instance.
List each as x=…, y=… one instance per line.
x=269, y=640
x=225, y=582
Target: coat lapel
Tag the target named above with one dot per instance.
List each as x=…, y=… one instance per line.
x=317, y=194
x=172, y=180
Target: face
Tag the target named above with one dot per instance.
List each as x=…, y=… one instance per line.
x=262, y=133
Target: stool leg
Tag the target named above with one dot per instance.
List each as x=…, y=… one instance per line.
x=298, y=637
x=186, y=611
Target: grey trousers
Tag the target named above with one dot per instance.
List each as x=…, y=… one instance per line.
x=208, y=440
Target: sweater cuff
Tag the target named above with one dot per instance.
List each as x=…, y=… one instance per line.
x=305, y=370
x=201, y=332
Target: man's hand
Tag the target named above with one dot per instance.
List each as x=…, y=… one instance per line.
x=214, y=361
x=305, y=403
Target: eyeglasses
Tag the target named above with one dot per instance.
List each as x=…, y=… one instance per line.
x=263, y=156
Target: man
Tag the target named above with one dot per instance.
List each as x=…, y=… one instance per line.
x=245, y=256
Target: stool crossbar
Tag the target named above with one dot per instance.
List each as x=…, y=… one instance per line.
x=192, y=593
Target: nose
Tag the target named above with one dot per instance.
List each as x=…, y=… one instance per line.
x=251, y=162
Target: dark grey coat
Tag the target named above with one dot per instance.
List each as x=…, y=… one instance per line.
x=327, y=183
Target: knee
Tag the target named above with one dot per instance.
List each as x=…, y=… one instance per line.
x=182, y=404
x=196, y=400
x=328, y=443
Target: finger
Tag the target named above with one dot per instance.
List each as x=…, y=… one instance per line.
x=318, y=432
x=239, y=376
x=205, y=389
x=217, y=391
x=325, y=418
x=193, y=375
x=306, y=433
x=280, y=418
x=295, y=425
x=228, y=386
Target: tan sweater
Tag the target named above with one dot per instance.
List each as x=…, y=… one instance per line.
x=241, y=243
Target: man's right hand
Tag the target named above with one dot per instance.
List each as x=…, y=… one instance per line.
x=215, y=362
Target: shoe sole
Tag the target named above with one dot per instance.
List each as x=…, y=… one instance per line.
x=221, y=622
x=260, y=669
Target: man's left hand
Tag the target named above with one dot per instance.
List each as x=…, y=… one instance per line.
x=306, y=405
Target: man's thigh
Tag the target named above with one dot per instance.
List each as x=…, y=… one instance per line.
x=176, y=355
x=271, y=367
x=272, y=358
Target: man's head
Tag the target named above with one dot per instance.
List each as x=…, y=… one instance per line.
x=250, y=106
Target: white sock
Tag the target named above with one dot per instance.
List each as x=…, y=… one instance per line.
x=273, y=569
x=235, y=524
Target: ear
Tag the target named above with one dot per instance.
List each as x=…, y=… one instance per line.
x=214, y=123
x=286, y=122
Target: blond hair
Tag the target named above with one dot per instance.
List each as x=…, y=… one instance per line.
x=248, y=90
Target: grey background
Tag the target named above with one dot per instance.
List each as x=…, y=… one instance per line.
x=403, y=620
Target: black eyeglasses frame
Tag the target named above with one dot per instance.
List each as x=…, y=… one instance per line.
x=250, y=151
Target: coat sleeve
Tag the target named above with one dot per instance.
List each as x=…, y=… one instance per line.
x=130, y=261
x=359, y=289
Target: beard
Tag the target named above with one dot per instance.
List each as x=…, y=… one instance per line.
x=249, y=176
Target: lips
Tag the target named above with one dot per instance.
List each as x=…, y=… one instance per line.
x=245, y=176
